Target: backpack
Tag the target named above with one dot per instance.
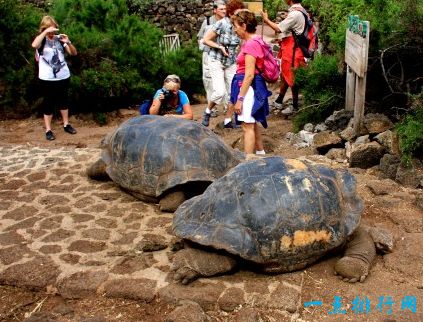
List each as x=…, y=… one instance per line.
x=271, y=68
x=201, y=46
x=308, y=40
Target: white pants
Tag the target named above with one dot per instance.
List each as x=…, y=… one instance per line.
x=221, y=77
x=207, y=80
x=247, y=107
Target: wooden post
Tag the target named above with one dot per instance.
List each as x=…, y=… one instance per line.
x=350, y=90
x=356, y=57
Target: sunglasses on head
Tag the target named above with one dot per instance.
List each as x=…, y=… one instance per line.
x=172, y=79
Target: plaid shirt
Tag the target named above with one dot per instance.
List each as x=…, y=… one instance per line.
x=225, y=37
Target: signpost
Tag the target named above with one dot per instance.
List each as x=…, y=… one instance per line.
x=356, y=57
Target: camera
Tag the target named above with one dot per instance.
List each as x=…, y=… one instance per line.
x=167, y=94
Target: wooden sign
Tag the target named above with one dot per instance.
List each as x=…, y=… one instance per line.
x=357, y=45
x=356, y=57
x=255, y=6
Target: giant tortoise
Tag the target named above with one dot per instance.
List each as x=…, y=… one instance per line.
x=163, y=159
x=276, y=214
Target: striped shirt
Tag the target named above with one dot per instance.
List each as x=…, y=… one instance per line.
x=225, y=37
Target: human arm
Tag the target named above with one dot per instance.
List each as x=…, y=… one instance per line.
x=36, y=43
x=157, y=102
x=210, y=40
x=250, y=67
x=187, y=114
x=67, y=44
x=270, y=23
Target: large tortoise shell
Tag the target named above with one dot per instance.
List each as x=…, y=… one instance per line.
x=274, y=211
x=149, y=154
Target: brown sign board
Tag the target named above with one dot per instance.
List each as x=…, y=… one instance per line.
x=356, y=50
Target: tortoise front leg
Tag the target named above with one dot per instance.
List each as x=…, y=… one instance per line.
x=358, y=257
x=191, y=263
x=171, y=201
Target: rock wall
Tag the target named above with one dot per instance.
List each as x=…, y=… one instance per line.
x=183, y=16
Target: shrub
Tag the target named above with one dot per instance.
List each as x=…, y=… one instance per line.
x=321, y=84
x=410, y=132
x=17, y=27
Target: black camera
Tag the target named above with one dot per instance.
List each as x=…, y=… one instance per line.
x=167, y=94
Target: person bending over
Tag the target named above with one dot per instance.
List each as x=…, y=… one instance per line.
x=171, y=101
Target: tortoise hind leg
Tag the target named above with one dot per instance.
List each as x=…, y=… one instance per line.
x=97, y=171
x=191, y=263
x=358, y=257
x=171, y=201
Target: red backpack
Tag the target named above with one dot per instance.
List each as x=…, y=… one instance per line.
x=271, y=68
x=308, y=40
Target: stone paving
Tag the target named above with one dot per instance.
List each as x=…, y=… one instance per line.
x=64, y=233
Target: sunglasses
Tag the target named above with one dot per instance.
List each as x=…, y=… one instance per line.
x=172, y=79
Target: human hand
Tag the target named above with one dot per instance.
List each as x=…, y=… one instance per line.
x=238, y=107
x=51, y=29
x=224, y=51
x=64, y=38
x=265, y=15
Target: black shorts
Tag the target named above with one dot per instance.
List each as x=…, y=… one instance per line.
x=55, y=95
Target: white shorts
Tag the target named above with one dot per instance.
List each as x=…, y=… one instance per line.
x=247, y=107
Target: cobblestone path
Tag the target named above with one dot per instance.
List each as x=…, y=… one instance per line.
x=64, y=233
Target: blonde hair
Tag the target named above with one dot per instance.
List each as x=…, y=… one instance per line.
x=172, y=82
x=46, y=22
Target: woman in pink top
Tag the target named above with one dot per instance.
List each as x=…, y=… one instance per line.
x=249, y=91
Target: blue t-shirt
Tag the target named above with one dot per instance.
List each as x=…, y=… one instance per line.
x=183, y=99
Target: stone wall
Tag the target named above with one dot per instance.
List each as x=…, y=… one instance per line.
x=183, y=16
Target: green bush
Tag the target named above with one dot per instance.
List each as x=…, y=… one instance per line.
x=186, y=63
x=17, y=74
x=410, y=132
x=119, y=62
x=322, y=85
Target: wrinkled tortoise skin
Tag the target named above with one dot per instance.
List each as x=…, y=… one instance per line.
x=281, y=213
x=148, y=155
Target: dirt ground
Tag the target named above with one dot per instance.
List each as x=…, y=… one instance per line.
x=396, y=276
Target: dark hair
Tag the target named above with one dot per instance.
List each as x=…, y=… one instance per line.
x=247, y=17
x=233, y=5
x=296, y=1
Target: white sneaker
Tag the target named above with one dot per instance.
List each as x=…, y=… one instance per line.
x=288, y=111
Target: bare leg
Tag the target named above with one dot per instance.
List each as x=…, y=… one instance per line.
x=65, y=116
x=358, y=257
x=258, y=138
x=47, y=121
x=249, y=137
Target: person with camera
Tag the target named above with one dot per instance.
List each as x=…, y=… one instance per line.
x=53, y=72
x=171, y=101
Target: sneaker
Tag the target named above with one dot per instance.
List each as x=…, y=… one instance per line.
x=206, y=119
x=288, y=111
x=68, y=128
x=50, y=136
x=231, y=125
